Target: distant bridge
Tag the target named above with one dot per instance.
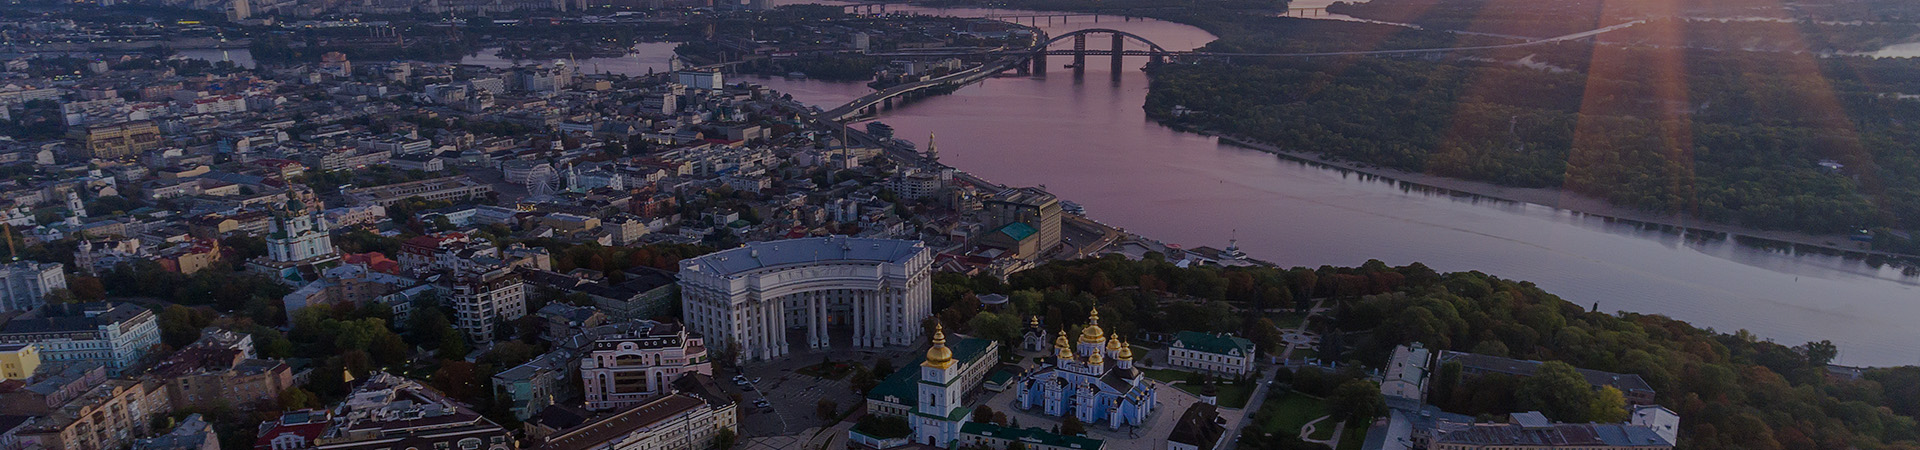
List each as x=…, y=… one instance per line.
x=1037, y=54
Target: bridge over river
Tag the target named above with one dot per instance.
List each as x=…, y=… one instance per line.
x=1035, y=56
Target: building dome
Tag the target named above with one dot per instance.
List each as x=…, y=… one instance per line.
x=1062, y=350
x=1061, y=342
x=1092, y=334
x=939, y=356
x=1113, y=343
x=1126, y=352
x=1095, y=360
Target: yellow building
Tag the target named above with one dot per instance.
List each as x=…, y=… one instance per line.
x=19, y=361
x=118, y=140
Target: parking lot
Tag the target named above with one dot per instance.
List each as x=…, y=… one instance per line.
x=792, y=398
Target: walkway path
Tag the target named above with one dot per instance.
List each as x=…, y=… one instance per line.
x=1333, y=442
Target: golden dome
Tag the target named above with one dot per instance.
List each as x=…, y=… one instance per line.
x=1064, y=354
x=1092, y=334
x=1061, y=342
x=1033, y=321
x=1094, y=359
x=939, y=356
x=1113, y=343
x=1126, y=352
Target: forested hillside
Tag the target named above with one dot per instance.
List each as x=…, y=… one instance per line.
x=1734, y=391
x=1767, y=140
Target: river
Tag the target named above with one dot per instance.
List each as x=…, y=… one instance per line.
x=1086, y=139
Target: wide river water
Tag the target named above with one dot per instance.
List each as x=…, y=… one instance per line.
x=1086, y=139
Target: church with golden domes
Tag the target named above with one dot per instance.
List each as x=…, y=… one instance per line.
x=1093, y=379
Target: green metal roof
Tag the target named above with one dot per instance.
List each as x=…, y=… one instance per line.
x=1018, y=231
x=1031, y=436
x=904, y=384
x=1213, y=343
x=1000, y=376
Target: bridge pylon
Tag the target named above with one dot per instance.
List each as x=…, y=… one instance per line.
x=1079, y=52
x=1119, y=46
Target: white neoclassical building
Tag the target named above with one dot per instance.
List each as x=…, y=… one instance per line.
x=752, y=296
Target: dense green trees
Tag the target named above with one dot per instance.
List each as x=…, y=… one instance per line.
x=1736, y=137
x=1556, y=390
x=1735, y=391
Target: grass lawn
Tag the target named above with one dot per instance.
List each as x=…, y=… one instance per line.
x=1304, y=354
x=1230, y=395
x=1289, y=411
x=1323, y=430
x=831, y=370
x=1355, y=436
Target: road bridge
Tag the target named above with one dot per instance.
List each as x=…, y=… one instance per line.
x=1036, y=54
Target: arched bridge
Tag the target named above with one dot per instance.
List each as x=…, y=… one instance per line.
x=1080, y=51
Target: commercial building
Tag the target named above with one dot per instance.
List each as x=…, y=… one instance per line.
x=1634, y=388
x=1222, y=354
x=752, y=295
x=484, y=300
x=109, y=414
x=1406, y=375
x=114, y=334
x=1649, y=428
x=118, y=140
x=453, y=188
x=222, y=369
x=1034, y=207
x=689, y=418
x=625, y=369
x=193, y=433
x=389, y=412
x=24, y=284
x=18, y=361
x=700, y=79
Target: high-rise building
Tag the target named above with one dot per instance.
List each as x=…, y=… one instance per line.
x=26, y=284
x=1031, y=206
x=484, y=300
x=746, y=299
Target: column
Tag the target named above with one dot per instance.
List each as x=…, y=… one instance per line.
x=780, y=328
x=859, y=322
x=818, y=322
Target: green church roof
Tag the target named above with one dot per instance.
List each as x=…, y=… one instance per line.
x=1031, y=436
x=1213, y=343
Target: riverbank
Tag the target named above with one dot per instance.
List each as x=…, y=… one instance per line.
x=1562, y=199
